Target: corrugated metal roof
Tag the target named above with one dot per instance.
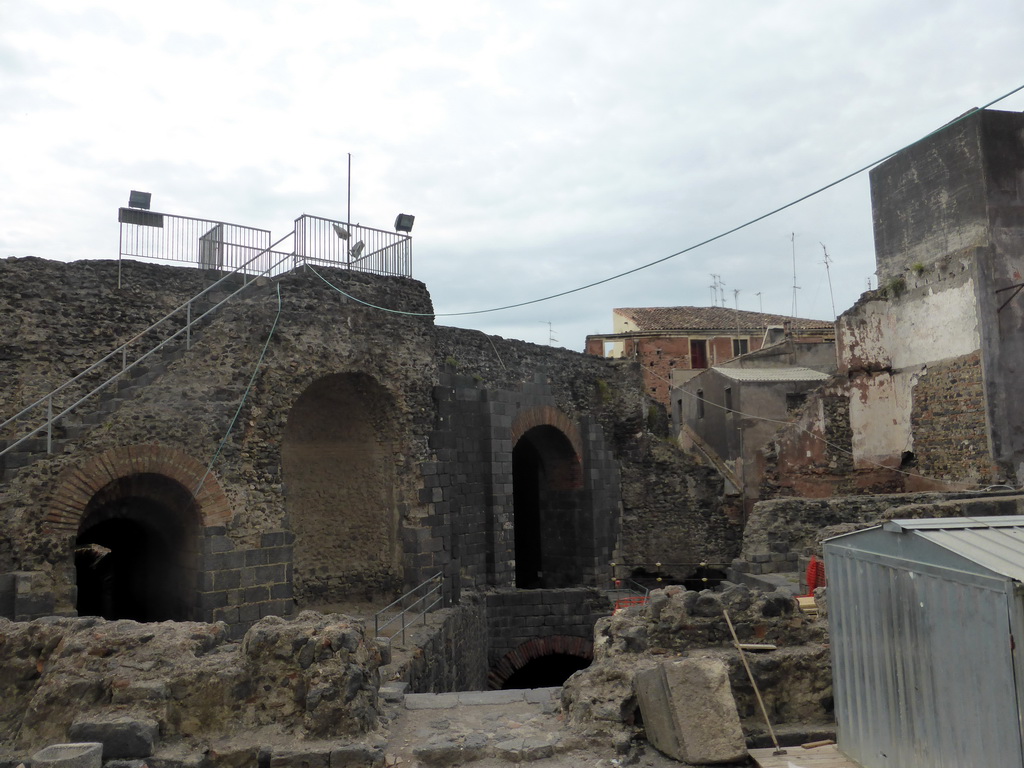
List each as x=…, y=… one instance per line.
x=789, y=373
x=711, y=318
x=995, y=543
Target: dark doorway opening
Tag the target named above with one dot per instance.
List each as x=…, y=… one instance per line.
x=526, y=472
x=549, y=524
x=546, y=671
x=135, y=552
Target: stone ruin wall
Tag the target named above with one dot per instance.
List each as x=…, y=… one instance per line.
x=402, y=370
x=795, y=679
x=186, y=411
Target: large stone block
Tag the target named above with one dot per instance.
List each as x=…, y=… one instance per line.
x=120, y=736
x=82, y=755
x=689, y=711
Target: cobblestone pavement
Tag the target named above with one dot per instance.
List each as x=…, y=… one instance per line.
x=497, y=729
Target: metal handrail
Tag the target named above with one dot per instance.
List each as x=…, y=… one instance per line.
x=436, y=592
x=123, y=351
x=352, y=246
x=635, y=586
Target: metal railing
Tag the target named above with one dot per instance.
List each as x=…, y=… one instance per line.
x=206, y=243
x=417, y=603
x=626, y=592
x=182, y=313
x=339, y=244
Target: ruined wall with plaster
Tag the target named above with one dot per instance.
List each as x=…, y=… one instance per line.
x=933, y=360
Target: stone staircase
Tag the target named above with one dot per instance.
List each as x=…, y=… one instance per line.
x=79, y=423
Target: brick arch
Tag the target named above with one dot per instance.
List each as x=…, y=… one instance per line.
x=79, y=484
x=546, y=416
x=513, y=661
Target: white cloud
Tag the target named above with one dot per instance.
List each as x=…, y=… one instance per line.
x=541, y=146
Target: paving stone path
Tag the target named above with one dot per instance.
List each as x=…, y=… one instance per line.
x=492, y=729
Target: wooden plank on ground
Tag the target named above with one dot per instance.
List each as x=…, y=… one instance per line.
x=796, y=757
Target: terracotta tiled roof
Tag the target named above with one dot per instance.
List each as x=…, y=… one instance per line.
x=709, y=318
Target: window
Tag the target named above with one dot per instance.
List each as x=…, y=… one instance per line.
x=699, y=354
x=740, y=347
x=728, y=401
x=700, y=403
x=794, y=400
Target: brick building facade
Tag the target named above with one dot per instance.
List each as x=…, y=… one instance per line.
x=674, y=343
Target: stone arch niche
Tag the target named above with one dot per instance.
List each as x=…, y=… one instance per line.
x=548, y=509
x=135, y=552
x=135, y=514
x=338, y=461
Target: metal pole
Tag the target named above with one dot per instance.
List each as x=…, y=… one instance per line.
x=188, y=325
x=49, y=425
x=348, y=217
x=778, y=750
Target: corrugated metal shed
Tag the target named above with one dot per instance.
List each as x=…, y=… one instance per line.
x=923, y=616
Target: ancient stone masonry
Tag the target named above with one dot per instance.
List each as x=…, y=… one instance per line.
x=948, y=420
x=237, y=567
x=528, y=624
x=795, y=680
x=582, y=413
x=371, y=450
x=312, y=677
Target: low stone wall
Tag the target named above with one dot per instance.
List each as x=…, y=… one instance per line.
x=240, y=586
x=515, y=617
x=795, y=680
x=783, y=526
x=451, y=655
x=314, y=677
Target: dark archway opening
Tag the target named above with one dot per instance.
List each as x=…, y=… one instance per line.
x=135, y=551
x=548, y=519
x=526, y=472
x=546, y=671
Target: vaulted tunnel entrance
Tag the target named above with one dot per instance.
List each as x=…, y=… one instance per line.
x=338, y=459
x=135, y=553
x=544, y=662
x=548, y=510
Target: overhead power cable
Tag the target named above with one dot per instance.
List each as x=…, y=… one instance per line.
x=688, y=249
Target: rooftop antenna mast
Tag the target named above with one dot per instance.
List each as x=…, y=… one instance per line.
x=717, y=294
x=792, y=240
x=736, y=301
x=828, y=261
x=551, y=332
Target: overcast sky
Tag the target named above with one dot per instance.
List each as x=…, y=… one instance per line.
x=540, y=145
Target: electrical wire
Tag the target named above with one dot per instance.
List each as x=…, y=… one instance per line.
x=688, y=249
x=245, y=396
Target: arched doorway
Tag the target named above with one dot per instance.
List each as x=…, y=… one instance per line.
x=548, y=498
x=135, y=552
x=338, y=459
x=543, y=662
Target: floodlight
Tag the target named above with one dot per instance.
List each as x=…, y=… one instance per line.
x=139, y=199
x=357, y=249
x=340, y=231
x=403, y=223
